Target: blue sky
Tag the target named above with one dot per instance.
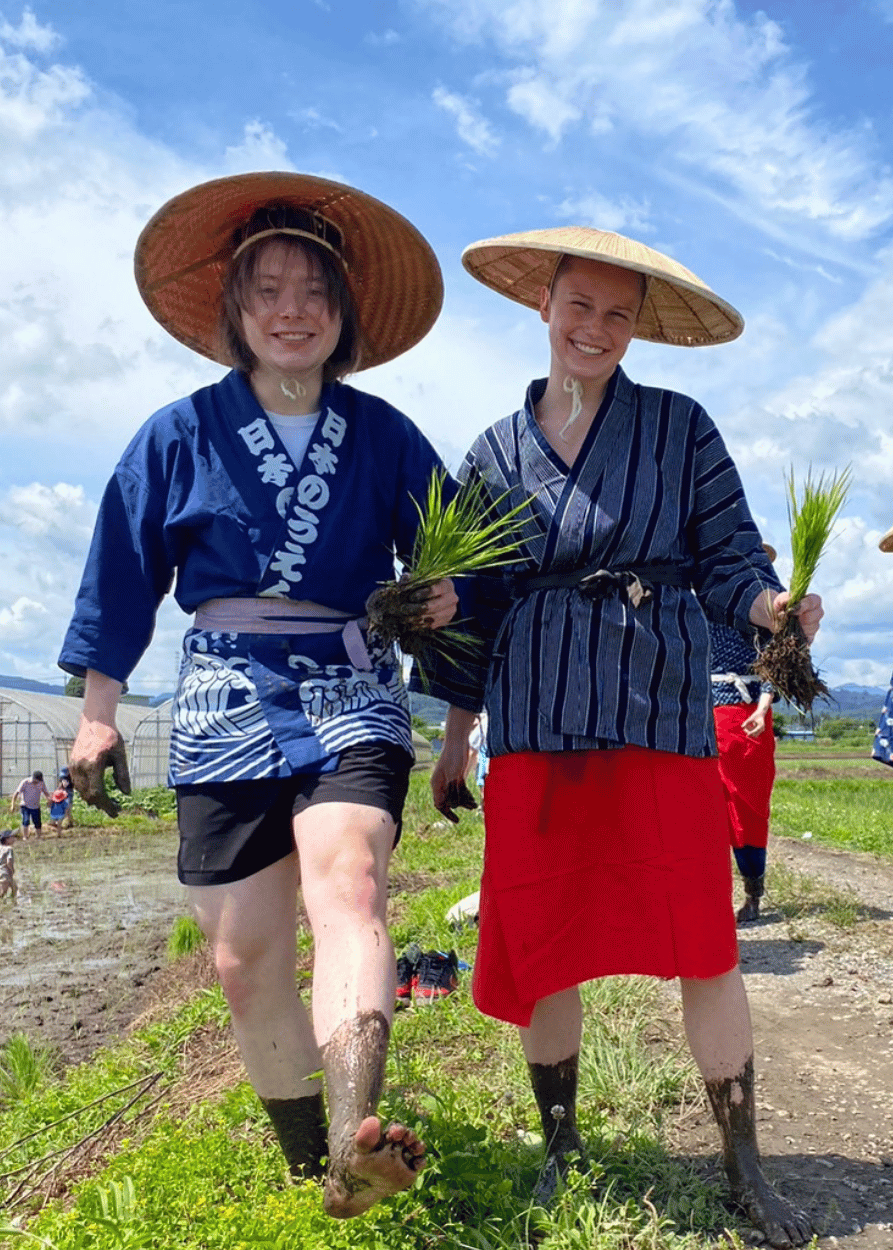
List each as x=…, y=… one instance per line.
x=753, y=144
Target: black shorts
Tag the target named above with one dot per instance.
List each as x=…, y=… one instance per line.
x=230, y=830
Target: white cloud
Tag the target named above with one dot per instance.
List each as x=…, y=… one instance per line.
x=473, y=129
x=539, y=104
x=721, y=94
x=386, y=39
x=260, y=148
x=312, y=119
x=29, y=33
x=592, y=209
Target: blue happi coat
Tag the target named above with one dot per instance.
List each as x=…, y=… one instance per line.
x=207, y=498
x=652, y=484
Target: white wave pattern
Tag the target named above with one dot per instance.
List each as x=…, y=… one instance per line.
x=220, y=732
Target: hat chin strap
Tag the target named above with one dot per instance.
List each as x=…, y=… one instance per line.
x=293, y=389
x=574, y=387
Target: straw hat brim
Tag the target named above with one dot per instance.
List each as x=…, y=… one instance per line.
x=679, y=308
x=182, y=253
x=770, y=552
x=886, y=543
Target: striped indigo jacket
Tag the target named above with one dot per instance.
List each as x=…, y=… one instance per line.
x=557, y=670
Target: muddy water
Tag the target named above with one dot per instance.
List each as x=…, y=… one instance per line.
x=89, y=927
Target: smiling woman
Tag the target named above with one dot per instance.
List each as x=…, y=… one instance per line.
x=606, y=826
x=276, y=500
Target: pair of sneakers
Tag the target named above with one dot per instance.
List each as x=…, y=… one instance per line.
x=424, y=976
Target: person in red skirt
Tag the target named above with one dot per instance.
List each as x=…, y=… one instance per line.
x=606, y=829
x=742, y=710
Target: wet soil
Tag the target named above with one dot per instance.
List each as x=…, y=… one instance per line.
x=87, y=935
x=821, y=998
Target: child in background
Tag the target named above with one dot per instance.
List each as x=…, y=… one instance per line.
x=7, y=865
x=29, y=792
x=59, y=801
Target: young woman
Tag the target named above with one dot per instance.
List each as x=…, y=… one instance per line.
x=607, y=843
x=278, y=498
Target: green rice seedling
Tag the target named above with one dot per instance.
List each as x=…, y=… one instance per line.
x=24, y=1067
x=184, y=938
x=466, y=535
x=785, y=661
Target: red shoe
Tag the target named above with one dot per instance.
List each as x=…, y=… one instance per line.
x=438, y=976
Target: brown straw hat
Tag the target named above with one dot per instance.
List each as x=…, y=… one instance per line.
x=770, y=552
x=679, y=308
x=886, y=543
x=392, y=272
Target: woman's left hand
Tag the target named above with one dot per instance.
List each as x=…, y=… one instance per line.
x=440, y=605
x=770, y=611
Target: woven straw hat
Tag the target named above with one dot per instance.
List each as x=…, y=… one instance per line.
x=770, y=552
x=679, y=308
x=183, y=251
x=886, y=543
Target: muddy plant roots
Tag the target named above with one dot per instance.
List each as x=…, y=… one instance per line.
x=785, y=661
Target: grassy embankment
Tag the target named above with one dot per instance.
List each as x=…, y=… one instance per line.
x=177, y=1160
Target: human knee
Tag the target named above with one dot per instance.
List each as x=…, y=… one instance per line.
x=352, y=887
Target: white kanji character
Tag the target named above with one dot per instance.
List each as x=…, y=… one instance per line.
x=275, y=469
x=333, y=428
x=324, y=459
x=313, y=491
x=257, y=436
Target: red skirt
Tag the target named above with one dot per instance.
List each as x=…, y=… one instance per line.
x=747, y=769
x=599, y=863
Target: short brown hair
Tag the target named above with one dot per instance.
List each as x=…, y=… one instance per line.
x=241, y=271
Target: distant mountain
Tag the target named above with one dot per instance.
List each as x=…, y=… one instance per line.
x=25, y=683
x=431, y=711
x=860, y=702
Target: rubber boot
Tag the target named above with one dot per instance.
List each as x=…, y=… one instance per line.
x=754, y=888
x=732, y=1100
x=555, y=1090
x=302, y=1132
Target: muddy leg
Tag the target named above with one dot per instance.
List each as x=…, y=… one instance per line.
x=365, y=1163
x=732, y=1101
x=555, y=1089
x=717, y=1024
x=300, y=1126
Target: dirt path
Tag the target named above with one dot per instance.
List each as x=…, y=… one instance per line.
x=822, y=1003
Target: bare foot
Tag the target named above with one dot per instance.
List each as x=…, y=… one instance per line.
x=375, y=1165
x=783, y=1225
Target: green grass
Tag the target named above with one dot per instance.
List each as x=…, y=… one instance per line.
x=184, y=938
x=213, y=1180
x=853, y=814
x=798, y=896
x=25, y=1066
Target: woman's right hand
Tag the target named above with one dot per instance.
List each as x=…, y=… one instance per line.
x=99, y=745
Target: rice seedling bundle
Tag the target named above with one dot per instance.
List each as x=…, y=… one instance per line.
x=464, y=535
x=786, y=661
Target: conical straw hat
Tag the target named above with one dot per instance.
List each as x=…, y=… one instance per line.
x=886, y=543
x=679, y=308
x=183, y=251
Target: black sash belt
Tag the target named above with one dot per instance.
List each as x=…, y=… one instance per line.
x=596, y=583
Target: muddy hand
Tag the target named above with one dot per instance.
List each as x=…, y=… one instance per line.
x=89, y=777
x=457, y=795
